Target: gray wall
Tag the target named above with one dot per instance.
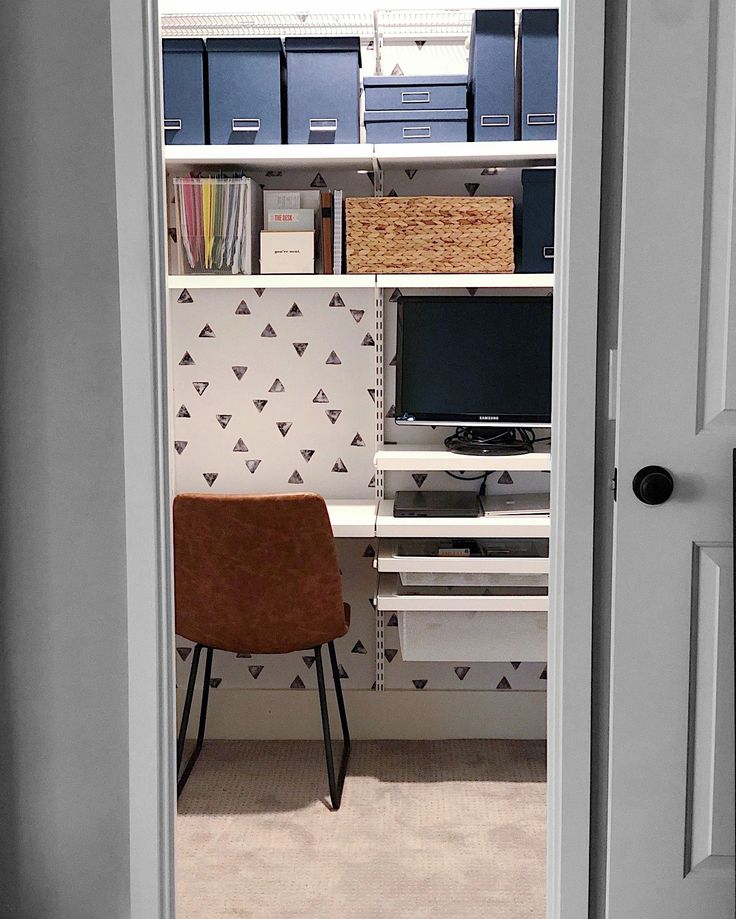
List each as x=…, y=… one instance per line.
x=63, y=661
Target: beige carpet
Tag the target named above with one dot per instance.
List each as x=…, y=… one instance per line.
x=426, y=829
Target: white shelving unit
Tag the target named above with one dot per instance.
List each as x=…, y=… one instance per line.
x=352, y=518
x=507, y=283
x=392, y=597
x=429, y=458
x=366, y=156
x=512, y=527
x=501, y=283
x=389, y=561
x=272, y=281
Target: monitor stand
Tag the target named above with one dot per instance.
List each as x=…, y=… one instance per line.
x=489, y=442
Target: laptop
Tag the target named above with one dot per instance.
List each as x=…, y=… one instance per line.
x=437, y=504
x=498, y=505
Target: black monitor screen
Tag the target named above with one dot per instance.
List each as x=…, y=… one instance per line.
x=474, y=360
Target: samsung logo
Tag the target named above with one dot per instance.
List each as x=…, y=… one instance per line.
x=488, y=418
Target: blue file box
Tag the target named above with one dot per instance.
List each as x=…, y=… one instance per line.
x=409, y=127
x=407, y=94
x=184, y=101
x=491, y=75
x=538, y=220
x=539, y=74
x=323, y=90
x=246, y=87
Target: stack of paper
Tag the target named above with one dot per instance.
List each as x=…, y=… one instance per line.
x=216, y=219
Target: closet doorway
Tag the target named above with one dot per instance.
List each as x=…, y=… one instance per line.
x=432, y=722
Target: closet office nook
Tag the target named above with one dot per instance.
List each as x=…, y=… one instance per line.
x=360, y=212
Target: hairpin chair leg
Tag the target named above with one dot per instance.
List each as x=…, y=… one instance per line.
x=336, y=785
x=182, y=781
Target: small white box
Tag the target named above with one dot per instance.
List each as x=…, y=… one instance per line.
x=287, y=253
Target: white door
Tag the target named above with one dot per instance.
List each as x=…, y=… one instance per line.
x=671, y=792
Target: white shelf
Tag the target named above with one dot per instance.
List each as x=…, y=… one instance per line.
x=481, y=154
x=527, y=527
x=475, y=155
x=389, y=561
x=352, y=518
x=431, y=458
x=266, y=281
x=269, y=156
x=517, y=283
x=392, y=597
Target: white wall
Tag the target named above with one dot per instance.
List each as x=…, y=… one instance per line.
x=63, y=662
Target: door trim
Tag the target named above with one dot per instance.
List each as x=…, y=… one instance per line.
x=577, y=223
x=140, y=206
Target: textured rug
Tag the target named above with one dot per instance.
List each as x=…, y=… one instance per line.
x=427, y=829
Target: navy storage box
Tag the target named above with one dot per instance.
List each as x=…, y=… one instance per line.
x=323, y=90
x=184, y=106
x=404, y=127
x=246, y=86
x=384, y=94
x=539, y=74
x=538, y=220
x=491, y=75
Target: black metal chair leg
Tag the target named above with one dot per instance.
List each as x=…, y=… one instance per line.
x=336, y=786
x=182, y=781
x=187, y=706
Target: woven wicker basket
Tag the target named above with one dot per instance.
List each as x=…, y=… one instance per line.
x=429, y=235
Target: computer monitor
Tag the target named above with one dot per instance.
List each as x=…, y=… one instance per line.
x=474, y=361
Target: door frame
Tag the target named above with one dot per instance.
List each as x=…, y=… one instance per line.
x=141, y=264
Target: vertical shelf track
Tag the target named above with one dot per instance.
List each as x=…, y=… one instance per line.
x=379, y=414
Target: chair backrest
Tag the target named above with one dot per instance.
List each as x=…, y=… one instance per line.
x=256, y=573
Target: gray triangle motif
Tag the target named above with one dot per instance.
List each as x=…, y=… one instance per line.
x=185, y=297
x=419, y=684
x=419, y=478
x=372, y=483
x=516, y=664
x=505, y=479
x=297, y=683
x=339, y=466
x=333, y=359
x=307, y=455
x=255, y=670
x=223, y=420
x=337, y=300
x=472, y=291
x=358, y=648
x=284, y=427
x=207, y=332
x=252, y=465
x=369, y=552
x=357, y=314
x=342, y=672
x=239, y=371
x=268, y=332
x=318, y=182
x=200, y=387
x=321, y=397
x=390, y=653
x=461, y=672
x=180, y=446
x=295, y=478
x=395, y=295
x=300, y=347
x=277, y=386
x=393, y=194
x=392, y=362
x=372, y=394
x=215, y=682
x=183, y=653
x=294, y=311
x=393, y=621
x=410, y=173
x=543, y=674
x=357, y=441
x=503, y=683
x=259, y=290
x=260, y=404
x=183, y=412
x=391, y=413
x=210, y=477
x=333, y=414
x=187, y=360
x=240, y=446
x=472, y=187
x=397, y=72
x=368, y=340
x=309, y=660
x=242, y=309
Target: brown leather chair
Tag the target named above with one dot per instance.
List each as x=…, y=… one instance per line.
x=258, y=574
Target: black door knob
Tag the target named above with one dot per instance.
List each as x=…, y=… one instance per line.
x=653, y=485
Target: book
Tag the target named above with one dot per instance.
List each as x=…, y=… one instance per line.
x=326, y=200
x=290, y=220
